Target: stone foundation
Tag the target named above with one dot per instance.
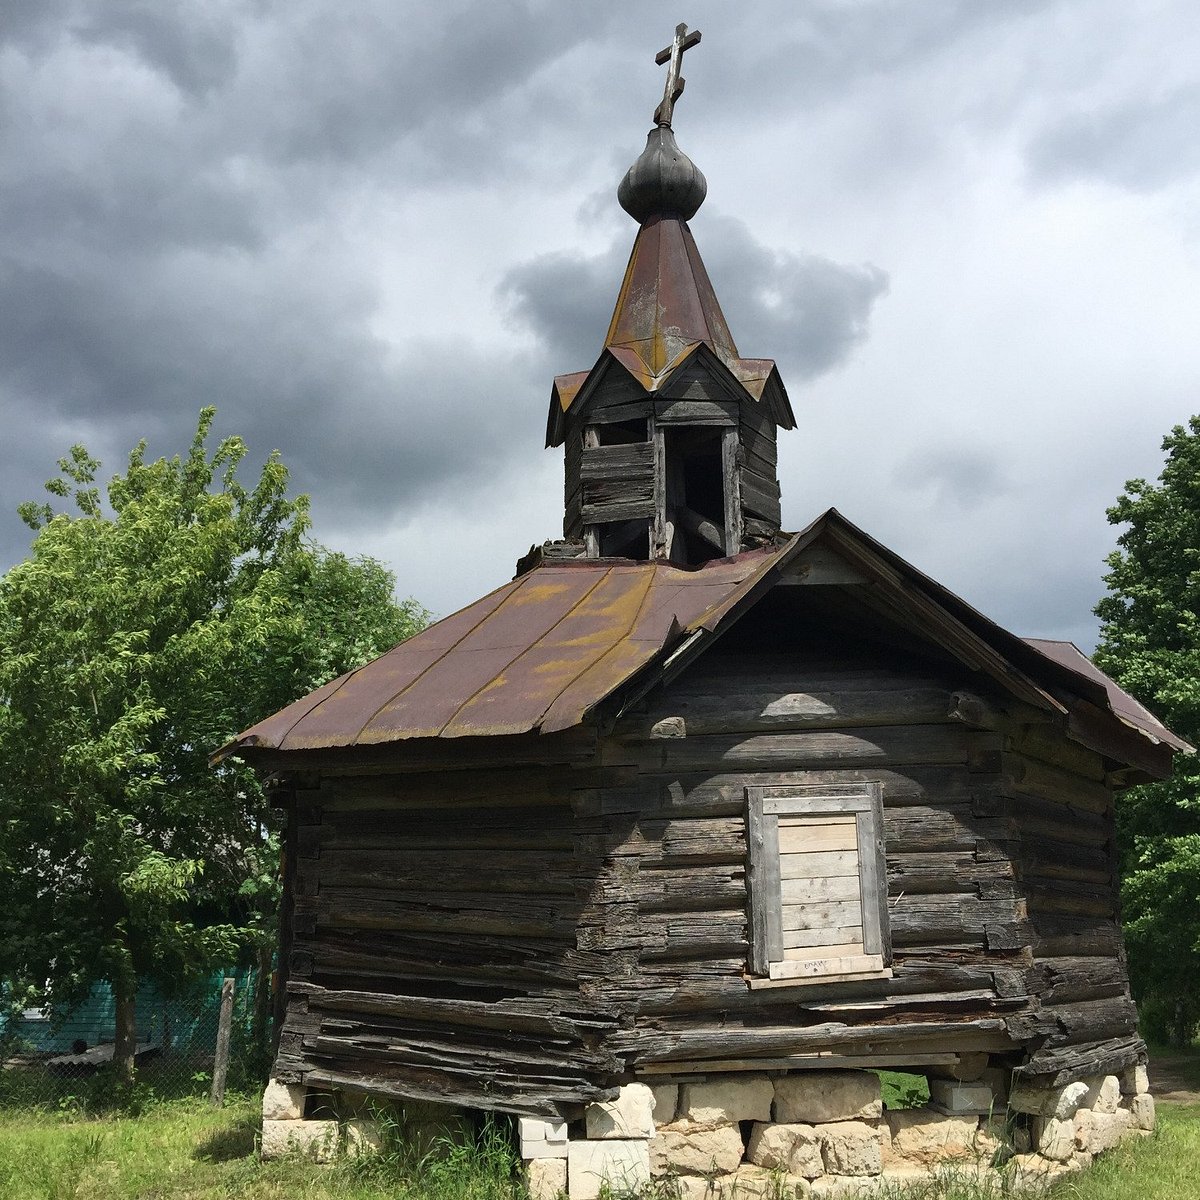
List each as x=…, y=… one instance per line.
x=826, y=1134
x=808, y=1133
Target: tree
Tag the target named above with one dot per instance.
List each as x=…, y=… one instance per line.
x=136, y=638
x=1150, y=643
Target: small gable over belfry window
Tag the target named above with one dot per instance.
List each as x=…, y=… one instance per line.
x=817, y=883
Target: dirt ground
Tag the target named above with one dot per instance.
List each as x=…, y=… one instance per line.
x=1175, y=1078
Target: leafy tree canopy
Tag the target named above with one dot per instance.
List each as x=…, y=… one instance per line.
x=1150, y=643
x=138, y=636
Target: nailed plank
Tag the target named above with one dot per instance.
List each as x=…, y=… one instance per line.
x=796, y=938
x=828, y=833
x=819, y=864
x=820, y=890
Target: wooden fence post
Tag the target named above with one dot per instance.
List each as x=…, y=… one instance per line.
x=221, y=1061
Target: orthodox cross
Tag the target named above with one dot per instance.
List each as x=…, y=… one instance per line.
x=674, y=88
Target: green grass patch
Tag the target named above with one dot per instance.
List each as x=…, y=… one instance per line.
x=185, y=1150
x=903, y=1090
x=1160, y=1167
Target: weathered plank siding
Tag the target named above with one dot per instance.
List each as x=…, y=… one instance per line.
x=1085, y=1017
x=677, y=846
x=434, y=944
x=526, y=937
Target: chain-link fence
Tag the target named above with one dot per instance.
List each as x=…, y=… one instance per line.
x=64, y=1058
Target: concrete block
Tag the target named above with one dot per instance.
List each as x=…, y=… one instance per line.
x=817, y=1097
x=851, y=1148
x=958, y=1099
x=920, y=1136
x=1054, y=1137
x=688, y=1149
x=546, y=1178
x=1104, y=1095
x=794, y=1149
x=283, y=1101
x=316, y=1139
x=1063, y=1102
x=722, y=1100
x=623, y=1165
x=666, y=1102
x=630, y=1115
x=542, y=1139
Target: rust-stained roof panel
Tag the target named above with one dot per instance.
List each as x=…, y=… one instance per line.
x=543, y=651
x=666, y=300
x=1122, y=704
x=557, y=641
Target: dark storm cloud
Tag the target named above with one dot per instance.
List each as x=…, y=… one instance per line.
x=1140, y=145
x=806, y=311
x=168, y=180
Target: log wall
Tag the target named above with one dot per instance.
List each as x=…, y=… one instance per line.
x=434, y=949
x=674, y=850
x=529, y=937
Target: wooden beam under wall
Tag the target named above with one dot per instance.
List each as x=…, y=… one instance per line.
x=823, y=1061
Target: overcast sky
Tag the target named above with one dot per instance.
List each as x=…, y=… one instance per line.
x=372, y=233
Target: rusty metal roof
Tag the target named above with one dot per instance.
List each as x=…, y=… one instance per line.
x=1123, y=706
x=666, y=316
x=666, y=304
x=536, y=654
x=541, y=652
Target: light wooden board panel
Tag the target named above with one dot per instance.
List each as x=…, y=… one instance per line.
x=798, y=938
x=837, y=950
x=819, y=865
x=834, y=914
x=807, y=837
x=826, y=966
x=816, y=891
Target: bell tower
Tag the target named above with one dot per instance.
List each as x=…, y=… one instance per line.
x=670, y=439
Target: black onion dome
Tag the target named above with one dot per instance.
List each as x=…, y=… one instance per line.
x=663, y=182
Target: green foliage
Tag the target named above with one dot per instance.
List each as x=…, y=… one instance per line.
x=145, y=628
x=901, y=1089
x=1150, y=643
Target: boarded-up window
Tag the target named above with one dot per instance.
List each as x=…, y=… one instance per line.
x=817, y=881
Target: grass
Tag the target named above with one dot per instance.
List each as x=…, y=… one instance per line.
x=184, y=1150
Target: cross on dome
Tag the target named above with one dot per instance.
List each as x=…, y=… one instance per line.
x=675, y=82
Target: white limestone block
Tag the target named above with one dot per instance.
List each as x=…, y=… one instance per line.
x=630, y=1115
x=546, y=1178
x=316, y=1139
x=1096, y=1132
x=1104, y=1096
x=1062, y=1102
x=722, y=1100
x=1135, y=1081
x=283, y=1101
x=795, y=1149
x=623, y=1164
x=1054, y=1137
x=817, y=1097
x=851, y=1148
x=1141, y=1111
x=688, y=1149
x=363, y=1136
x=922, y=1136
